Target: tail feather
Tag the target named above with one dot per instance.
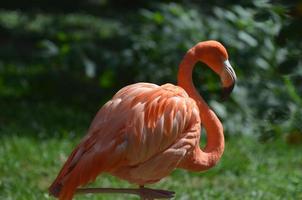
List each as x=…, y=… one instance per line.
x=83, y=166
x=55, y=189
x=82, y=173
x=57, y=186
x=86, y=169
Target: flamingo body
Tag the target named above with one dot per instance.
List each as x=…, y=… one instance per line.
x=146, y=131
x=140, y=135
x=159, y=132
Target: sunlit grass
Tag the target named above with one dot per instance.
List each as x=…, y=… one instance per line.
x=248, y=170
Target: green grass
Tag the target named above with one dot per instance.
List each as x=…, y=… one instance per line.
x=248, y=170
x=35, y=142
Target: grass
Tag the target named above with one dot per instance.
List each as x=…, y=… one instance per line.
x=34, y=145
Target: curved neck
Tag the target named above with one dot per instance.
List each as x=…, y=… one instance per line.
x=201, y=159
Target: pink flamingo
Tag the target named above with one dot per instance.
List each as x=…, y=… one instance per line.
x=146, y=131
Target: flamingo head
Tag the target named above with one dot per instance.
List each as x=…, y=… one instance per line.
x=215, y=56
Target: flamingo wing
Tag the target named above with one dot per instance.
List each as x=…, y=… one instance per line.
x=141, y=126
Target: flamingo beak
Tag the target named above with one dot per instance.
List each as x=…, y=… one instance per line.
x=228, y=79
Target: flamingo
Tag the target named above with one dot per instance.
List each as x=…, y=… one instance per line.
x=146, y=131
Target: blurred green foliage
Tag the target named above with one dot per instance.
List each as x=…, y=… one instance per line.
x=78, y=54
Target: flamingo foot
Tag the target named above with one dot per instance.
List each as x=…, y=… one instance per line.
x=151, y=194
x=144, y=193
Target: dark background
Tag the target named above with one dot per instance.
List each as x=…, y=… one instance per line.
x=79, y=53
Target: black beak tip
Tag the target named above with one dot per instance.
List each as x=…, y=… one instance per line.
x=226, y=92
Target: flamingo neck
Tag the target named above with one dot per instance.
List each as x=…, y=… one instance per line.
x=210, y=155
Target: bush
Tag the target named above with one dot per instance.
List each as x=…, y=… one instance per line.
x=88, y=54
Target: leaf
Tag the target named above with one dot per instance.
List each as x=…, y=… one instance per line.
x=250, y=40
x=292, y=90
x=106, y=80
x=90, y=67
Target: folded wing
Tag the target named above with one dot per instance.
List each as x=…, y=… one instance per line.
x=141, y=122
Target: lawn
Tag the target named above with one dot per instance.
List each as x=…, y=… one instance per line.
x=32, y=152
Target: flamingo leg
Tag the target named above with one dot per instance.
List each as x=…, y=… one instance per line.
x=144, y=193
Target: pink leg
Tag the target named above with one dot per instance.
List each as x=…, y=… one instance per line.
x=144, y=193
